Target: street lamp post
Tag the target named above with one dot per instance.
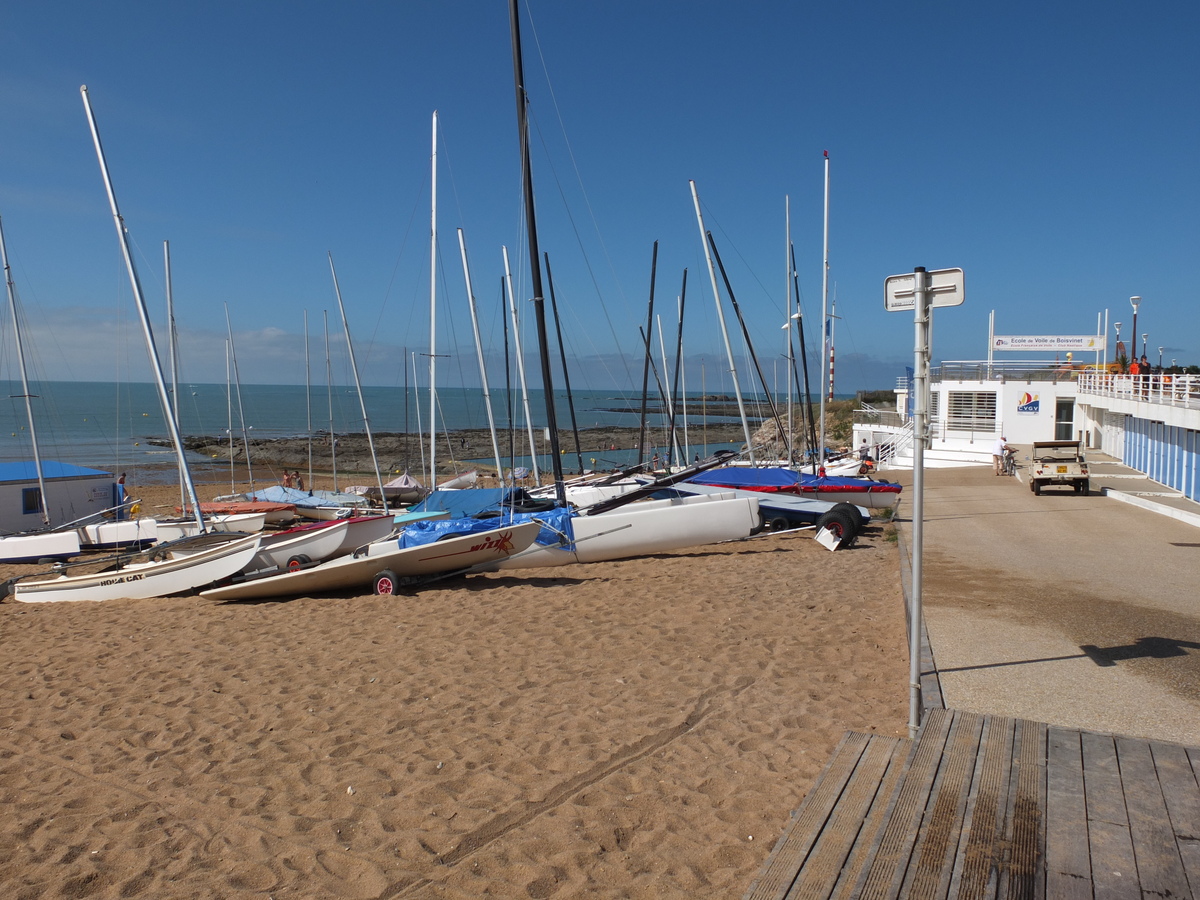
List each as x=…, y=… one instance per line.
x=1117, y=348
x=1135, y=302
x=1144, y=336
x=1160, y=350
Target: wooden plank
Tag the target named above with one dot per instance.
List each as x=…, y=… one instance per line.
x=1181, y=792
x=798, y=838
x=979, y=853
x=1068, y=867
x=890, y=858
x=1022, y=876
x=873, y=825
x=1159, y=868
x=1114, y=871
x=931, y=867
x=842, y=838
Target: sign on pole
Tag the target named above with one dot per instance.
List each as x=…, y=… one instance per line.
x=945, y=287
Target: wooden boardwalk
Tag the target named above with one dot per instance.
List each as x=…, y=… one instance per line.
x=990, y=807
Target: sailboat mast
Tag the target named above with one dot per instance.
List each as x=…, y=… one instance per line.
x=237, y=383
x=483, y=379
x=229, y=415
x=824, y=319
x=362, y=404
x=712, y=277
x=433, y=309
x=329, y=390
x=12, y=305
x=516, y=326
x=143, y=314
x=535, y=266
x=308, y=398
x=791, y=361
x=172, y=347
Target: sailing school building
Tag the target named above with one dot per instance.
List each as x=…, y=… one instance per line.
x=72, y=492
x=1149, y=422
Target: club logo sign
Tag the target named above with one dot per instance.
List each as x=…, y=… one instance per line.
x=1029, y=404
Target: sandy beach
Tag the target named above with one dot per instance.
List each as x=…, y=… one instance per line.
x=630, y=729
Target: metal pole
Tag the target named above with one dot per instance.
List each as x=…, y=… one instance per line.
x=920, y=416
x=824, y=319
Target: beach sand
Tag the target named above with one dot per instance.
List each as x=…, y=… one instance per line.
x=635, y=729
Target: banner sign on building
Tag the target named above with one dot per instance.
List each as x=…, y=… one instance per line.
x=1093, y=343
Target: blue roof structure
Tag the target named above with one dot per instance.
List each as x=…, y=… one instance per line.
x=27, y=471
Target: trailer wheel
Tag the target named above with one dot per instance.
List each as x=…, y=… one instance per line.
x=298, y=562
x=386, y=582
x=778, y=523
x=840, y=526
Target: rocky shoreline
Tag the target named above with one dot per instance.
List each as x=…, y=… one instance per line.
x=399, y=451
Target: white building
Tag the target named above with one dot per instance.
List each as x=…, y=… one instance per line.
x=72, y=492
x=1149, y=422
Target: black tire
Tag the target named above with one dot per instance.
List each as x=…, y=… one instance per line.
x=778, y=523
x=1036, y=487
x=840, y=526
x=386, y=582
x=1081, y=487
x=850, y=510
x=298, y=562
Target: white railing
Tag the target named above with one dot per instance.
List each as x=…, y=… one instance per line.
x=1168, y=390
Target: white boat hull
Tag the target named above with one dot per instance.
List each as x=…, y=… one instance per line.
x=647, y=527
x=180, y=573
x=32, y=547
x=346, y=572
x=246, y=523
x=307, y=545
x=126, y=533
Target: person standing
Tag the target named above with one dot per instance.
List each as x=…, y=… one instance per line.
x=287, y=478
x=999, y=450
x=297, y=481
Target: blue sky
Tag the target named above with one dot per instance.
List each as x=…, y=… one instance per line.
x=1050, y=150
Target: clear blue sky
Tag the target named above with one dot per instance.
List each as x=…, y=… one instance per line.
x=1050, y=150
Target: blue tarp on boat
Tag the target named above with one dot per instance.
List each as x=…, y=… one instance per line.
x=555, y=524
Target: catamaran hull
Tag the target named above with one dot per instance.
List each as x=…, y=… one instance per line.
x=304, y=544
x=33, y=547
x=646, y=528
x=177, y=575
x=347, y=572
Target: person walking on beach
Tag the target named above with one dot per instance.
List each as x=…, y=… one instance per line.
x=297, y=481
x=1001, y=448
x=287, y=478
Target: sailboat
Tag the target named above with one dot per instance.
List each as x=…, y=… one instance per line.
x=165, y=569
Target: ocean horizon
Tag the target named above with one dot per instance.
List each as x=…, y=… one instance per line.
x=115, y=426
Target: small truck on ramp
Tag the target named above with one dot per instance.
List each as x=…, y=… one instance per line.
x=1058, y=463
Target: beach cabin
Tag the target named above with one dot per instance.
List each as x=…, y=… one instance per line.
x=72, y=492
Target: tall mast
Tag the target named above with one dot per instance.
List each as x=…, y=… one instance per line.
x=712, y=276
x=824, y=319
x=535, y=267
x=433, y=310
x=512, y=306
x=144, y=315
x=308, y=398
x=483, y=379
x=362, y=404
x=172, y=348
x=229, y=416
x=791, y=361
x=237, y=382
x=329, y=390
x=12, y=305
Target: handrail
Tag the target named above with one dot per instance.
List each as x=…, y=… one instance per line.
x=1162, y=389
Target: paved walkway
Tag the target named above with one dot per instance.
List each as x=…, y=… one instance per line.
x=1081, y=611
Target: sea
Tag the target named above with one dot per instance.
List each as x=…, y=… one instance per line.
x=120, y=427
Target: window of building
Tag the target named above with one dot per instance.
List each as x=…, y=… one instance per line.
x=971, y=411
x=31, y=501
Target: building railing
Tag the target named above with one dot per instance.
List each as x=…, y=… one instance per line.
x=1168, y=390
